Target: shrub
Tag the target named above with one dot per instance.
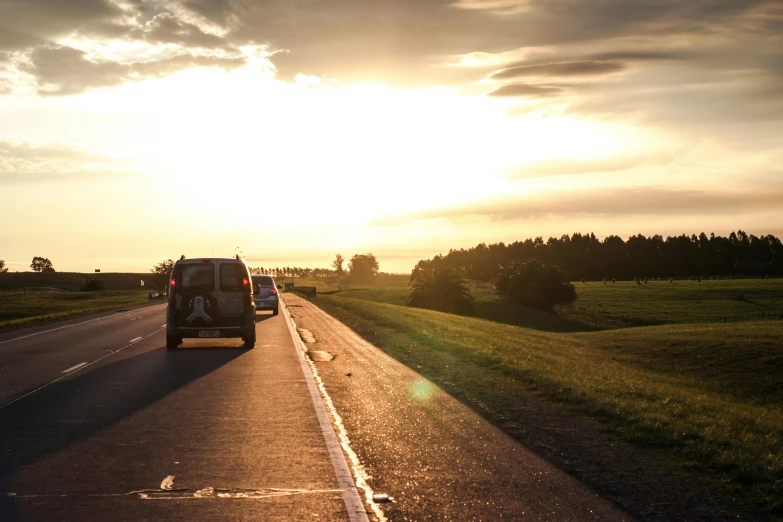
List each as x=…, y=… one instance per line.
x=92, y=285
x=535, y=284
x=441, y=289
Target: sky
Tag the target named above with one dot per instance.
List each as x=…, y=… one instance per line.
x=133, y=131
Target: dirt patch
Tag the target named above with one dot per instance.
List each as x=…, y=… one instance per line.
x=306, y=335
x=320, y=356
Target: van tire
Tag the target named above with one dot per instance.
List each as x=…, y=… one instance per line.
x=172, y=342
x=276, y=311
x=250, y=342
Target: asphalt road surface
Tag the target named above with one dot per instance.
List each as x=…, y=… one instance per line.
x=98, y=421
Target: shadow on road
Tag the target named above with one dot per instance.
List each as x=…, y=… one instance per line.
x=70, y=410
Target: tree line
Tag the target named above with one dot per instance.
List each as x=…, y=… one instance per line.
x=361, y=268
x=586, y=257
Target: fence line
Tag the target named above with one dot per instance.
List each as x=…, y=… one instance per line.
x=34, y=290
x=606, y=323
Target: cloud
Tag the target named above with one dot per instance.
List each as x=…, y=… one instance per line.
x=652, y=201
x=166, y=28
x=566, y=167
x=33, y=162
x=523, y=89
x=560, y=69
x=414, y=42
x=501, y=6
x=65, y=70
x=29, y=22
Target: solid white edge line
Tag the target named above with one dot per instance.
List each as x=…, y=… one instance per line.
x=68, y=326
x=353, y=502
x=134, y=339
x=76, y=367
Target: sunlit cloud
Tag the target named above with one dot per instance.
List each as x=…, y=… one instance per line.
x=397, y=128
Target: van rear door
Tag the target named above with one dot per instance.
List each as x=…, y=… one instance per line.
x=230, y=288
x=195, y=282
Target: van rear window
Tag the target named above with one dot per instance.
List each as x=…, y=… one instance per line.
x=231, y=275
x=199, y=277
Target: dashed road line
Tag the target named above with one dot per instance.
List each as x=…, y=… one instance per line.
x=134, y=339
x=80, y=367
x=75, y=367
x=63, y=327
x=168, y=483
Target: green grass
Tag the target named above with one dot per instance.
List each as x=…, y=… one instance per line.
x=709, y=395
x=619, y=305
x=17, y=311
x=659, y=302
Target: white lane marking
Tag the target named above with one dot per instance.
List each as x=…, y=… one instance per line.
x=167, y=483
x=163, y=326
x=353, y=502
x=76, y=367
x=68, y=326
x=134, y=339
x=118, y=350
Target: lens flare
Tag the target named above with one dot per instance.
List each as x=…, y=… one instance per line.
x=421, y=390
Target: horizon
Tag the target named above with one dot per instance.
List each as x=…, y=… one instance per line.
x=132, y=132
x=311, y=263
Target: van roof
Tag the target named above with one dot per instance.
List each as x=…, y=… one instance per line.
x=209, y=260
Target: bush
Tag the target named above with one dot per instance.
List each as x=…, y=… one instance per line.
x=92, y=285
x=440, y=289
x=535, y=284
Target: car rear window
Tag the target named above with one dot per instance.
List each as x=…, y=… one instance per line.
x=231, y=275
x=263, y=281
x=199, y=277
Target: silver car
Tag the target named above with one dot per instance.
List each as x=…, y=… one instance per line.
x=265, y=293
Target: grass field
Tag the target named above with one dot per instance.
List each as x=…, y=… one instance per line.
x=17, y=311
x=708, y=395
x=10, y=281
x=617, y=305
x=659, y=302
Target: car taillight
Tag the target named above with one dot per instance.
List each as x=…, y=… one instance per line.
x=273, y=291
x=172, y=292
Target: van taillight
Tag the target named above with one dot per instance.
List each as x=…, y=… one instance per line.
x=247, y=290
x=172, y=292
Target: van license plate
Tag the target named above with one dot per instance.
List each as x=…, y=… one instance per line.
x=208, y=333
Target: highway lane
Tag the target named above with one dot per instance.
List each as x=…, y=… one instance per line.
x=31, y=358
x=209, y=431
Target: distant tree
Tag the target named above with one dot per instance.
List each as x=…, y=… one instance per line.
x=442, y=289
x=3, y=268
x=337, y=264
x=363, y=267
x=92, y=285
x=161, y=272
x=535, y=284
x=41, y=264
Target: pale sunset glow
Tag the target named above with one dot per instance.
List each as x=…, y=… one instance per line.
x=136, y=131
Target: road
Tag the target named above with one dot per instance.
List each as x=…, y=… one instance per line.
x=99, y=421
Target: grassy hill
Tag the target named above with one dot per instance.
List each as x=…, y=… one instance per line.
x=707, y=395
